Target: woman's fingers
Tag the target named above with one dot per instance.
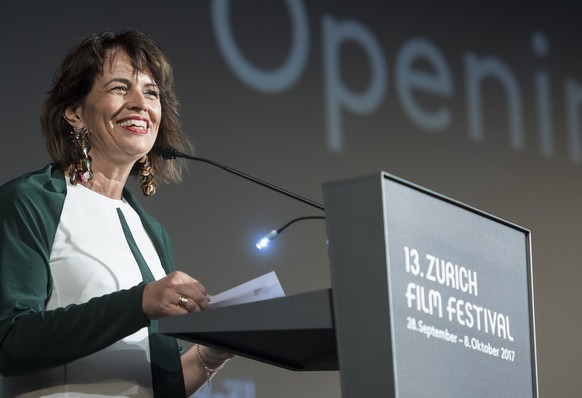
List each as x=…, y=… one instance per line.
x=176, y=293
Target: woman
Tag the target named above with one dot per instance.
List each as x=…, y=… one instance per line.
x=84, y=271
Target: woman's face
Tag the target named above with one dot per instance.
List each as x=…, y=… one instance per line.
x=122, y=112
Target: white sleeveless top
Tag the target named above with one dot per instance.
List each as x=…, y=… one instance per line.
x=91, y=258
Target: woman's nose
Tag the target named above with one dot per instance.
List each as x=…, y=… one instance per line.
x=138, y=101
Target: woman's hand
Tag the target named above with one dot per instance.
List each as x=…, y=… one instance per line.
x=175, y=294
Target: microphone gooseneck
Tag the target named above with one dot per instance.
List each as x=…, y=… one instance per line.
x=168, y=152
x=266, y=240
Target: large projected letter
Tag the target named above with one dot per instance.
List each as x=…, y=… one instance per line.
x=268, y=81
x=540, y=47
x=336, y=93
x=438, y=82
x=476, y=71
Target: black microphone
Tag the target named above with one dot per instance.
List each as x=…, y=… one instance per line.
x=168, y=152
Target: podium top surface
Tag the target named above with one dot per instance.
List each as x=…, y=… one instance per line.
x=294, y=332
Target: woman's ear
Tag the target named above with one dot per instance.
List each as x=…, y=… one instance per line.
x=72, y=115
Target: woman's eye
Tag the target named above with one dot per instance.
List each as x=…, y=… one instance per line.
x=122, y=89
x=152, y=94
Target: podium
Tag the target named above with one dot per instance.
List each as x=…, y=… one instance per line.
x=429, y=297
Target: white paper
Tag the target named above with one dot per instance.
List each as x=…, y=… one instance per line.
x=264, y=287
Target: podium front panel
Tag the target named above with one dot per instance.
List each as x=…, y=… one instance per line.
x=431, y=297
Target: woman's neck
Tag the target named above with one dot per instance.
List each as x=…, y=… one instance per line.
x=108, y=180
x=103, y=185
x=109, y=174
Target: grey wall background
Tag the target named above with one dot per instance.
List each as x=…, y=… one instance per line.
x=282, y=137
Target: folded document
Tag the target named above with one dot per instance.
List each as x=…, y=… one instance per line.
x=264, y=287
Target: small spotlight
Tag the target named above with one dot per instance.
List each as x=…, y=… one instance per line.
x=264, y=242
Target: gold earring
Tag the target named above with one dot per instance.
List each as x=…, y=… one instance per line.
x=147, y=183
x=80, y=170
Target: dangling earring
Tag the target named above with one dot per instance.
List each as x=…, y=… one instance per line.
x=80, y=171
x=147, y=182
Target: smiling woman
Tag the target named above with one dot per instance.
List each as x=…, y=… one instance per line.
x=85, y=272
x=123, y=113
x=76, y=79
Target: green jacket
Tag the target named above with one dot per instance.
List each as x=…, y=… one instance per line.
x=31, y=338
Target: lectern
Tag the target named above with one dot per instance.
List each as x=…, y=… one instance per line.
x=429, y=297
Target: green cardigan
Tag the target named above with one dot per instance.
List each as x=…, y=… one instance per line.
x=32, y=338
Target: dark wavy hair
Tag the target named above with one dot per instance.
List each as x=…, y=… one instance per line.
x=74, y=79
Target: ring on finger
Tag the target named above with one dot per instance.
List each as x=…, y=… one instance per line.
x=183, y=302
